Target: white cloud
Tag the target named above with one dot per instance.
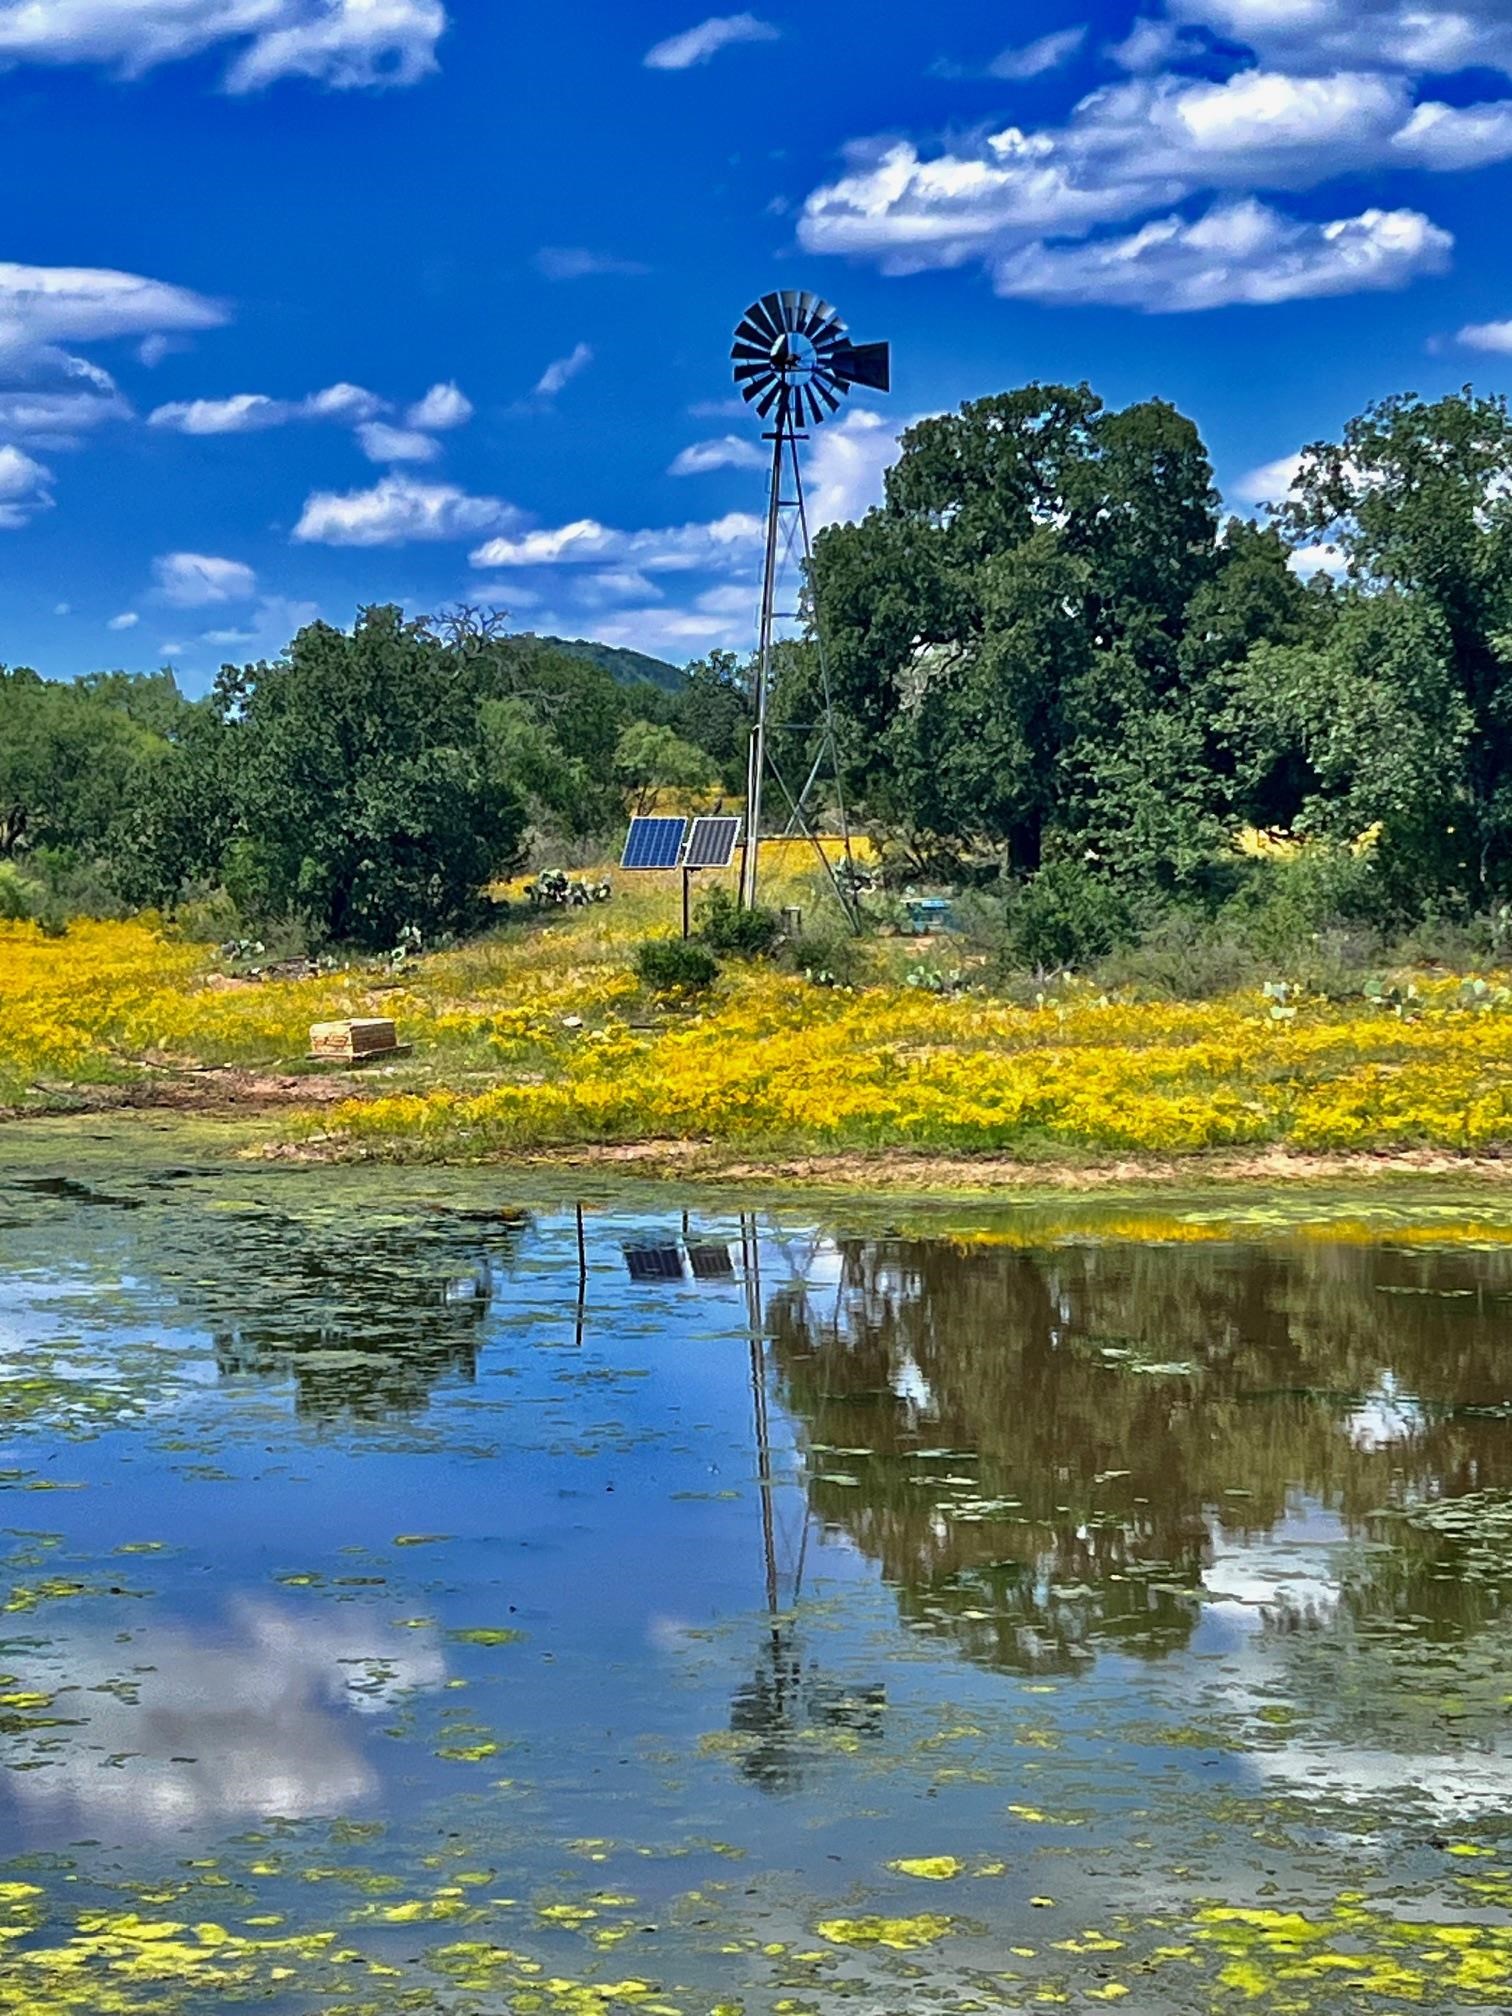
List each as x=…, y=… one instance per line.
x=1411, y=35
x=254, y=412
x=63, y=609
x=1307, y=561
x=846, y=465
x=1494, y=336
x=563, y=370
x=576, y=262
x=42, y=307
x=127, y=620
x=396, y=510
x=1455, y=136
x=1142, y=145
x=273, y=624
x=728, y=452
x=723, y=543
x=57, y=419
x=697, y=45
x=382, y=443
x=198, y=580
x=24, y=489
x=910, y=214
x=442, y=407
x=341, y=43
x=1048, y=52
x=1241, y=252
x=242, y=413
x=709, y=623
x=1147, y=46
x=346, y=404
x=1270, y=482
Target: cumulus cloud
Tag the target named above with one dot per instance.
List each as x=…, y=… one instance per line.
x=847, y=463
x=576, y=262
x=345, y=404
x=1134, y=148
x=127, y=620
x=24, y=489
x=1270, y=482
x=442, y=407
x=242, y=413
x=198, y=580
x=1240, y=252
x=253, y=412
x=344, y=44
x=563, y=370
x=57, y=419
x=1411, y=35
x=382, y=443
x=395, y=511
x=45, y=307
x=1047, y=52
x=725, y=542
x=720, y=619
x=1493, y=336
x=697, y=45
x=730, y=451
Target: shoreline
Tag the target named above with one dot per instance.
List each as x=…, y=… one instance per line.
x=244, y=1102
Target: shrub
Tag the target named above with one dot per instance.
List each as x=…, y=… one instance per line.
x=742, y=934
x=18, y=896
x=676, y=965
x=1067, y=916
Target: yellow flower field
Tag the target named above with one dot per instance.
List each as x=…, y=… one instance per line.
x=541, y=1036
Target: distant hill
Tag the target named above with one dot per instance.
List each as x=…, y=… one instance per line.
x=628, y=667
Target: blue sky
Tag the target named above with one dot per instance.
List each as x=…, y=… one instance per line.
x=311, y=303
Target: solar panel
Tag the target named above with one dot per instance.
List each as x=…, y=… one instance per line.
x=654, y=843
x=712, y=842
x=711, y=1263
x=654, y=1263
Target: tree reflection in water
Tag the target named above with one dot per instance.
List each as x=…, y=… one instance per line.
x=1060, y=1443
x=367, y=1323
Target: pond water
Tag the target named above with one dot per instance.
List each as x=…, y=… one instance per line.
x=425, y=1595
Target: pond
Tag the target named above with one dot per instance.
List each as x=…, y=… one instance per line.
x=426, y=1592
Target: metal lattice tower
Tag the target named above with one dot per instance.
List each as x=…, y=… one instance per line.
x=795, y=364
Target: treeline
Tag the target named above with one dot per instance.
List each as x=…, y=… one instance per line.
x=1051, y=657
x=1055, y=671
x=363, y=785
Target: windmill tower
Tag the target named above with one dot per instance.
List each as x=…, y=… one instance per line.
x=794, y=363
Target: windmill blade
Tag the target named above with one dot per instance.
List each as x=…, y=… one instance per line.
x=807, y=302
x=767, y=401
x=750, y=331
x=750, y=392
x=754, y=352
x=766, y=323
x=761, y=370
x=822, y=386
x=792, y=312
x=828, y=334
x=772, y=303
x=815, y=409
x=868, y=364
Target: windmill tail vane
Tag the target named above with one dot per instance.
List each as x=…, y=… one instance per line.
x=795, y=364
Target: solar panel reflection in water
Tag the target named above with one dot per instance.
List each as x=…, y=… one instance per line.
x=654, y=843
x=712, y=842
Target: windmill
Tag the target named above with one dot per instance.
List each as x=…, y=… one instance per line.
x=795, y=364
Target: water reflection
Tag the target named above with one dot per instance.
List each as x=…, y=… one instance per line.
x=1051, y=1453
x=175, y=1724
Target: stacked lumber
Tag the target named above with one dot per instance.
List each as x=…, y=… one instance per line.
x=367, y=1036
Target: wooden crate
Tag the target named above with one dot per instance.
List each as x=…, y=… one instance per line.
x=367, y=1036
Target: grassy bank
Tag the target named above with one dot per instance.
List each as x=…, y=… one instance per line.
x=541, y=1037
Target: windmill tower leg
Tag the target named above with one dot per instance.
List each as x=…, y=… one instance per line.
x=750, y=859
